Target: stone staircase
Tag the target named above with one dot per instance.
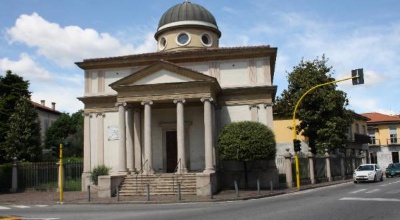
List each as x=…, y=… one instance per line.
x=159, y=184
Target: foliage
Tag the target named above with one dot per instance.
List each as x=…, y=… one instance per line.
x=101, y=170
x=12, y=87
x=69, y=130
x=22, y=140
x=246, y=141
x=5, y=176
x=323, y=114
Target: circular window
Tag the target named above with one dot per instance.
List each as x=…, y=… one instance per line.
x=183, y=39
x=206, y=39
x=162, y=43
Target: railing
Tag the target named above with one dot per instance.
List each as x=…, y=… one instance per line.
x=44, y=175
x=374, y=141
x=393, y=141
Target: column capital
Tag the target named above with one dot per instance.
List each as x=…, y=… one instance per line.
x=254, y=106
x=268, y=105
x=87, y=114
x=121, y=104
x=100, y=114
x=176, y=101
x=147, y=103
x=207, y=99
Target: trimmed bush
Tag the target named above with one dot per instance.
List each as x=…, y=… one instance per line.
x=101, y=170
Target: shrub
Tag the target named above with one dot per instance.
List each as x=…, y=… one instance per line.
x=101, y=170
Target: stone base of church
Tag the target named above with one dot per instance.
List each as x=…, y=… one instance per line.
x=107, y=185
x=206, y=183
x=85, y=181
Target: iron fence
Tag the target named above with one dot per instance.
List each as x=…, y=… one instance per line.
x=45, y=176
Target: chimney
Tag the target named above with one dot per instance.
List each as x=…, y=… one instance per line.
x=53, y=105
x=43, y=102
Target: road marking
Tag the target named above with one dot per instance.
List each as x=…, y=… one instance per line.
x=4, y=208
x=41, y=206
x=369, y=199
x=373, y=191
x=393, y=192
x=357, y=191
x=21, y=206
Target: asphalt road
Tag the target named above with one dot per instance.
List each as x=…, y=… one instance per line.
x=380, y=200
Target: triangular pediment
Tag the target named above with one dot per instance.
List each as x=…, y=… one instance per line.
x=162, y=72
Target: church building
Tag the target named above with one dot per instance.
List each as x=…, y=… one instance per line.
x=161, y=112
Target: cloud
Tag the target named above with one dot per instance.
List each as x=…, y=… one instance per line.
x=26, y=67
x=64, y=45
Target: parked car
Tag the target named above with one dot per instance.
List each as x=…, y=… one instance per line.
x=368, y=172
x=393, y=170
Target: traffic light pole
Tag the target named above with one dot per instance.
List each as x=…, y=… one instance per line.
x=296, y=156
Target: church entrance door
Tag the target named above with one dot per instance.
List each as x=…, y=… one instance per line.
x=172, y=148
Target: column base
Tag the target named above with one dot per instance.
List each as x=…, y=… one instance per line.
x=209, y=171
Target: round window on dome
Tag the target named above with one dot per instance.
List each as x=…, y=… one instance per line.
x=206, y=40
x=162, y=43
x=183, y=39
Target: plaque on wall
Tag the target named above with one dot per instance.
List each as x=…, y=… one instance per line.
x=113, y=133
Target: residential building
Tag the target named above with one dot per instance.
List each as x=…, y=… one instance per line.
x=357, y=136
x=384, y=131
x=46, y=116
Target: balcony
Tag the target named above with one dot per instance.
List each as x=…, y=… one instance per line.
x=393, y=141
x=374, y=142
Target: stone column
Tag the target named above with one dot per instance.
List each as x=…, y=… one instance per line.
x=270, y=121
x=288, y=167
x=148, y=154
x=362, y=155
x=130, y=157
x=86, y=143
x=328, y=166
x=180, y=123
x=311, y=166
x=122, y=139
x=100, y=138
x=136, y=139
x=208, y=141
x=342, y=168
x=86, y=151
x=14, y=180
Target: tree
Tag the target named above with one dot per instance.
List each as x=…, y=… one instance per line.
x=12, y=87
x=69, y=130
x=22, y=140
x=323, y=116
x=246, y=141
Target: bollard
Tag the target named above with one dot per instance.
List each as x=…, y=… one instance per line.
x=236, y=188
x=88, y=193
x=271, y=185
x=179, y=192
x=258, y=187
x=148, y=192
x=118, y=193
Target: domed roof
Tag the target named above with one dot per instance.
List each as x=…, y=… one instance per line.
x=185, y=14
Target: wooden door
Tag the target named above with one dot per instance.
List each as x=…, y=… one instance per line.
x=172, y=157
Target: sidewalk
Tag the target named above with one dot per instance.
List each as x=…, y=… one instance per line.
x=52, y=198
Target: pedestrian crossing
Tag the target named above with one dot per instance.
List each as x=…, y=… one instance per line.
x=2, y=207
x=370, y=194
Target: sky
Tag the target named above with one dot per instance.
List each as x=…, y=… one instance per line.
x=41, y=40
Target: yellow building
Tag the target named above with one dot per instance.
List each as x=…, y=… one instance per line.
x=357, y=135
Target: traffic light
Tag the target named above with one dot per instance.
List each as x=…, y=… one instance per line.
x=358, y=75
x=296, y=145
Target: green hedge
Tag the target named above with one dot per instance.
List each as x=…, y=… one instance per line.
x=5, y=177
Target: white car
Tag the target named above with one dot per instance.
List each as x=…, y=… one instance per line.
x=368, y=172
